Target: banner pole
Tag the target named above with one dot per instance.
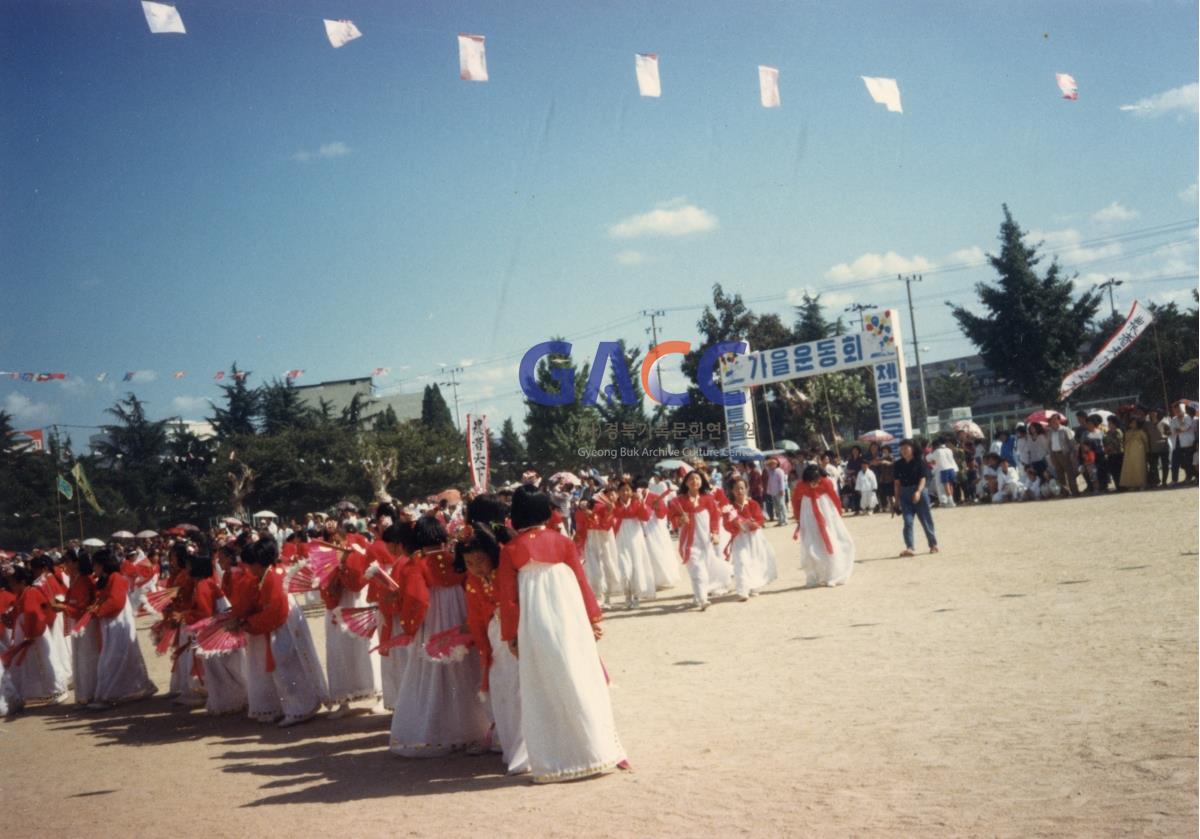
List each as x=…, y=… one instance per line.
x=1161, y=374
x=62, y=539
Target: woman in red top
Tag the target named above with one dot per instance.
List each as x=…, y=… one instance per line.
x=225, y=674
x=633, y=554
x=549, y=619
x=121, y=670
x=283, y=674
x=400, y=611
x=85, y=651
x=752, y=556
x=186, y=669
x=30, y=660
x=351, y=667
x=695, y=515
x=599, y=553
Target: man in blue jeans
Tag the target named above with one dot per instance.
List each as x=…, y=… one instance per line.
x=910, y=479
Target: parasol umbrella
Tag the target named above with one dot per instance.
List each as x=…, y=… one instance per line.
x=876, y=436
x=789, y=446
x=265, y=514
x=450, y=496
x=146, y=534
x=186, y=528
x=669, y=464
x=93, y=543
x=1043, y=416
x=232, y=520
x=970, y=428
x=569, y=477
x=347, y=505
x=123, y=534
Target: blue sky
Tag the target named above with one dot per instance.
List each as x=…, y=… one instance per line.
x=246, y=192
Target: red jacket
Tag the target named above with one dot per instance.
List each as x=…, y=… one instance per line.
x=112, y=597
x=270, y=609
x=538, y=544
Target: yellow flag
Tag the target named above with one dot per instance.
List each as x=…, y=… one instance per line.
x=85, y=488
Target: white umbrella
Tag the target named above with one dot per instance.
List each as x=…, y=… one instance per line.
x=969, y=427
x=93, y=543
x=123, y=534
x=231, y=520
x=789, y=446
x=265, y=514
x=669, y=465
x=876, y=436
x=147, y=534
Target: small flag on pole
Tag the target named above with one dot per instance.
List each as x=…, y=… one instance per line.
x=885, y=92
x=85, y=488
x=240, y=375
x=646, y=65
x=179, y=374
x=294, y=374
x=64, y=486
x=220, y=374
x=1066, y=83
x=341, y=32
x=162, y=18
x=472, y=59
x=768, y=86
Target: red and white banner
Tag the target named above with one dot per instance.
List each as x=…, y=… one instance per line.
x=33, y=440
x=478, y=457
x=1137, y=322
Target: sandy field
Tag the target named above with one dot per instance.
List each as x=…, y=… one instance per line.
x=1038, y=677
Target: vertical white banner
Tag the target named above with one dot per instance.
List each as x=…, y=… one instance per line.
x=881, y=330
x=472, y=60
x=478, y=455
x=646, y=65
x=768, y=86
x=740, y=430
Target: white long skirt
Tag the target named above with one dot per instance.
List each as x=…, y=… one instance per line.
x=753, y=562
x=183, y=681
x=821, y=567
x=121, y=670
x=664, y=559
x=633, y=562
x=353, y=669
x=37, y=677
x=566, y=710
x=225, y=678
x=137, y=594
x=298, y=676
x=8, y=691
x=437, y=706
x=391, y=668
x=504, y=689
x=600, y=564
x=85, y=654
x=60, y=646
x=707, y=569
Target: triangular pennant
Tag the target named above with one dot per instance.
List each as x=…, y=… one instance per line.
x=885, y=92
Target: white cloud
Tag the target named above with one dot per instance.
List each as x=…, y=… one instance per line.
x=834, y=302
x=465, y=362
x=1114, y=212
x=629, y=257
x=184, y=405
x=328, y=150
x=874, y=265
x=1178, y=100
x=1188, y=196
x=967, y=256
x=672, y=218
x=1066, y=244
x=23, y=409
x=1181, y=297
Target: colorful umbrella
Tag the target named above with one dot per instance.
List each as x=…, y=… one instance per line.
x=450, y=496
x=1043, y=416
x=969, y=427
x=876, y=436
x=569, y=477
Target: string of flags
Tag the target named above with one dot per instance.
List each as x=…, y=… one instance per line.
x=164, y=19
x=149, y=375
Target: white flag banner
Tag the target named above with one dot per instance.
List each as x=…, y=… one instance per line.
x=162, y=18
x=478, y=456
x=885, y=92
x=768, y=86
x=647, y=74
x=472, y=61
x=1124, y=338
x=1066, y=83
x=341, y=32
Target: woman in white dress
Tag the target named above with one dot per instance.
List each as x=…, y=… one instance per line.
x=826, y=549
x=121, y=670
x=550, y=622
x=56, y=592
x=866, y=485
x=664, y=559
x=30, y=661
x=600, y=549
x=224, y=674
x=633, y=554
x=353, y=670
x=753, y=557
x=82, y=626
x=697, y=518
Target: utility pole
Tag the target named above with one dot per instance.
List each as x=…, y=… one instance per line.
x=454, y=385
x=912, y=319
x=652, y=330
x=1109, y=284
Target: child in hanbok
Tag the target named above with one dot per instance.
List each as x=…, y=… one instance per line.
x=283, y=674
x=353, y=670
x=633, y=555
x=84, y=629
x=826, y=549
x=550, y=622
x=437, y=710
x=187, y=684
x=388, y=554
x=663, y=558
x=600, y=549
x=224, y=674
x=121, y=671
x=753, y=558
x=697, y=518
x=49, y=579
x=866, y=485
x=32, y=668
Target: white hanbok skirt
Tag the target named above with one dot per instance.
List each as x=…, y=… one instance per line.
x=753, y=562
x=225, y=678
x=36, y=677
x=633, y=561
x=391, y=668
x=60, y=646
x=183, y=681
x=600, y=564
x=85, y=655
x=504, y=693
x=822, y=568
x=353, y=670
x=437, y=705
x=664, y=559
x=121, y=670
x=707, y=568
x=296, y=687
x=566, y=710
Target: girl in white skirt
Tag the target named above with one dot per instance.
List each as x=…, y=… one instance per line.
x=55, y=589
x=85, y=649
x=600, y=549
x=695, y=514
x=633, y=554
x=550, y=621
x=353, y=670
x=866, y=485
x=663, y=557
x=225, y=674
x=121, y=670
x=437, y=710
x=29, y=660
x=753, y=558
x=826, y=549
x=283, y=674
